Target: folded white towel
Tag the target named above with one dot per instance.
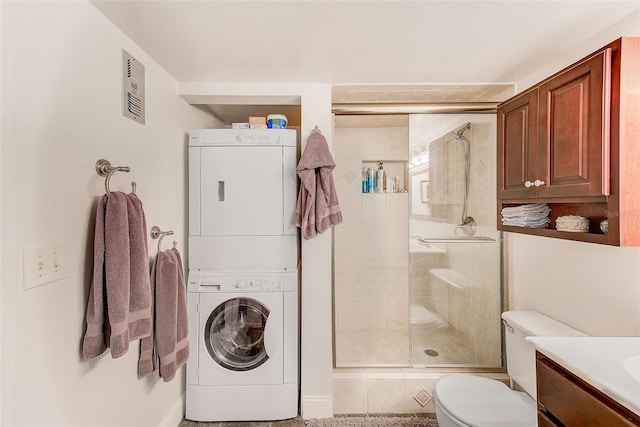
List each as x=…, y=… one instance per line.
x=534, y=215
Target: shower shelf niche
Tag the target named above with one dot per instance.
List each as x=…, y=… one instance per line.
x=393, y=168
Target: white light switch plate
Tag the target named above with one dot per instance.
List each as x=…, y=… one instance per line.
x=44, y=264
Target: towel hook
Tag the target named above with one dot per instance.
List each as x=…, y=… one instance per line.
x=104, y=168
x=157, y=233
x=316, y=130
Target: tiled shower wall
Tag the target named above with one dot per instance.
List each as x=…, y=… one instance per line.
x=371, y=277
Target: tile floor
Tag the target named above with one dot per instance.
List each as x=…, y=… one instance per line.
x=450, y=349
x=293, y=422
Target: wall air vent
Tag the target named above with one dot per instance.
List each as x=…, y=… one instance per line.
x=132, y=88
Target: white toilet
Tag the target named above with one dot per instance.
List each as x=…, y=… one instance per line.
x=467, y=400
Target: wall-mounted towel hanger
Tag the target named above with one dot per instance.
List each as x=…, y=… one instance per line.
x=104, y=168
x=156, y=232
x=316, y=130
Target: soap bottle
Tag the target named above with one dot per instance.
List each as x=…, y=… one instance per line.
x=380, y=178
x=372, y=179
x=365, y=180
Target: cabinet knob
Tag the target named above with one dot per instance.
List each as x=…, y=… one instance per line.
x=536, y=183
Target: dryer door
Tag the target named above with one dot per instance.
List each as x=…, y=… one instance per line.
x=241, y=191
x=242, y=339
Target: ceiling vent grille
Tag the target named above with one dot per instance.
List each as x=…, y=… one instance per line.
x=132, y=88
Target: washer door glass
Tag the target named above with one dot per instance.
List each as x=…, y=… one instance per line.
x=234, y=334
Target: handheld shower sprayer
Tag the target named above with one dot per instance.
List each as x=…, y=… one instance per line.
x=467, y=223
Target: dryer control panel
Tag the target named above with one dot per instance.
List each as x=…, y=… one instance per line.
x=258, y=284
x=242, y=282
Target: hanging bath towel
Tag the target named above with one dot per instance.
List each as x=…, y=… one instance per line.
x=317, y=207
x=168, y=347
x=181, y=349
x=94, y=342
x=119, y=306
x=148, y=357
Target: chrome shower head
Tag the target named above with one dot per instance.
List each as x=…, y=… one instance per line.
x=460, y=133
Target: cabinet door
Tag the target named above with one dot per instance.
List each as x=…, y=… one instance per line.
x=241, y=191
x=575, y=403
x=518, y=147
x=574, y=130
x=544, y=421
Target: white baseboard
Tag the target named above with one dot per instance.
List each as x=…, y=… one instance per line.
x=316, y=407
x=175, y=414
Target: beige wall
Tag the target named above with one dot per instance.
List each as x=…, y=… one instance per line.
x=593, y=288
x=61, y=112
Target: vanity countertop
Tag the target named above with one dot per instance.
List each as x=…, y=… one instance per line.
x=610, y=364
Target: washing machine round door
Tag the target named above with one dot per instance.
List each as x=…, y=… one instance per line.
x=234, y=334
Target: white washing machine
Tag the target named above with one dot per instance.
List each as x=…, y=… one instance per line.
x=244, y=364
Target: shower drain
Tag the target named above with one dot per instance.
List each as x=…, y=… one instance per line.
x=431, y=353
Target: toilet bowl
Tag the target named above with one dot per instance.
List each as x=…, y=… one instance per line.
x=468, y=400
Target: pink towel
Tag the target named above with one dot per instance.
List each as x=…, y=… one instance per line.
x=94, y=342
x=168, y=347
x=318, y=207
x=119, y=306
x=148, y=358
x=182, y=328
x=140, y=315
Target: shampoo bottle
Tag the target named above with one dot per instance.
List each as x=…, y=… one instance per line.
x=365, y=180
x=380, y=178
x=372, y=179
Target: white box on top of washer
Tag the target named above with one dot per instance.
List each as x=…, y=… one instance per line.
x=242, y=198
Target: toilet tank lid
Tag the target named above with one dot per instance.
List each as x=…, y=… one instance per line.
x=532, y=323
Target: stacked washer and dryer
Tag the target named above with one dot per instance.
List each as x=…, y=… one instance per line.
x=242, y=291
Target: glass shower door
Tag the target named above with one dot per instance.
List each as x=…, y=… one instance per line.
x=454, y=249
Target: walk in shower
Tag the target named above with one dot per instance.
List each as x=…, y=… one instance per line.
x=417, y=278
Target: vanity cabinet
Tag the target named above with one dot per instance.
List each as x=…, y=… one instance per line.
x=566, y=400
x=571, y=140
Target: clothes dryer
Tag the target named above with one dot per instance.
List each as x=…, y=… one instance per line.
x=244, y=335
x=242, y=199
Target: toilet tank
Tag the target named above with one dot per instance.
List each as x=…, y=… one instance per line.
x=521, y=358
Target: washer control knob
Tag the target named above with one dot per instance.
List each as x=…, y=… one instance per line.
x=255, y=283
x=241, y=284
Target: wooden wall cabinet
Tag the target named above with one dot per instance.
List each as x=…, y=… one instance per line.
x=571, y=141
x=518, y=147
x=566, y=400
